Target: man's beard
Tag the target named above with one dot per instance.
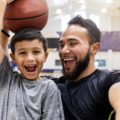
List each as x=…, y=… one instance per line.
x=81, y=65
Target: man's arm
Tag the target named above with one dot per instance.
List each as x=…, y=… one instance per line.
x=114, y=98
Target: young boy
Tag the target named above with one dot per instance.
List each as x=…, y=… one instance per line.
x=25, y=95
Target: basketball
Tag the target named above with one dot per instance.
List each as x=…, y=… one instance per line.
x=26, y=14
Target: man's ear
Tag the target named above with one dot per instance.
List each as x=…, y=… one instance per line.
x=12, y=56
x=95, y=47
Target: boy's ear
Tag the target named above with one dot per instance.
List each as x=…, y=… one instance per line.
x=46, y=55
x=12, y=57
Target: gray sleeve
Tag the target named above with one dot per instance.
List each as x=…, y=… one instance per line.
x=5, y=70
x=52, y=108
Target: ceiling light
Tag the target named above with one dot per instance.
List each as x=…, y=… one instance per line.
x=60, y=2
x=83, y=7
x=81, y=1
x=104, y=10
x=58, y=11
x=109, y=1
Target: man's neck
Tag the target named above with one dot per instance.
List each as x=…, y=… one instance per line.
x=88, y=71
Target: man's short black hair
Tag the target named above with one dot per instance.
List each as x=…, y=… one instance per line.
x=93, y=31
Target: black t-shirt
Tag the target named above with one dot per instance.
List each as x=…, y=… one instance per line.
x=88, y=98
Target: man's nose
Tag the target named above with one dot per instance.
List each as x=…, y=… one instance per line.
x=65, y=49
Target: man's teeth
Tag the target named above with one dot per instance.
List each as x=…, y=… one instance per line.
x=68, y=59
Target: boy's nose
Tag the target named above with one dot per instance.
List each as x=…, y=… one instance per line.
x=30, y=57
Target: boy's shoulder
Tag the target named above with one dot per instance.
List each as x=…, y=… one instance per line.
x=49, y=81
x=50, y=85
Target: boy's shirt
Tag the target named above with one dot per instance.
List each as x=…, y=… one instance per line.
x=22, y=99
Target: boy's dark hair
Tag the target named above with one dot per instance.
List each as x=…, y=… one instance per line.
x=93, y=31
x=28, y=34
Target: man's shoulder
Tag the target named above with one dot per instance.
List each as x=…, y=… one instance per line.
x=107, y=78
x=103, y=73
x=110, y=74
x=59, y=80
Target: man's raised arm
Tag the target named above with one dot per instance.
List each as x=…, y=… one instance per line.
x=114, y=98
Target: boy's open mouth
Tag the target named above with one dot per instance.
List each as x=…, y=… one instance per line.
x=30, y=68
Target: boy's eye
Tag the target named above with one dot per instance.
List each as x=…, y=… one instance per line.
x=22, y=53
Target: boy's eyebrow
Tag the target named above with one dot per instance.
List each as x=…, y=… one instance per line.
x=35, y=48
x=21, y=49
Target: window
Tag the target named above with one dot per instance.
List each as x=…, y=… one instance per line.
x=100, y=63
x=57, y=62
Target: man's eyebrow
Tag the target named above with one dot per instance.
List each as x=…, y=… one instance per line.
x=69, y=39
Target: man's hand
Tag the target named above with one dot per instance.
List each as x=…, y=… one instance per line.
x=114, y=98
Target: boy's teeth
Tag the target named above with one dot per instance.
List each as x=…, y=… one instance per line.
x=30, y=68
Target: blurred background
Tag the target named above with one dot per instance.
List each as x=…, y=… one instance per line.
x=105, y=13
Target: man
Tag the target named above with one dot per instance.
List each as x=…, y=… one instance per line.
x=87, y=93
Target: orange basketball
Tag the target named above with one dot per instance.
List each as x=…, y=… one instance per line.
x=26, y=14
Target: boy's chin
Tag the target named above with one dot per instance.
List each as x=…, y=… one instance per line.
x=31, y=78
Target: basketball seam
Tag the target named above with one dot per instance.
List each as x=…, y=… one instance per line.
x=26, y=18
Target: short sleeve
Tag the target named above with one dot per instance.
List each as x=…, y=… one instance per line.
x=52, y=105
x=5, y=69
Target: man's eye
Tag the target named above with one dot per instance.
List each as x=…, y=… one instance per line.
x=73, y=44
x=61, y=45
x=36, y=52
